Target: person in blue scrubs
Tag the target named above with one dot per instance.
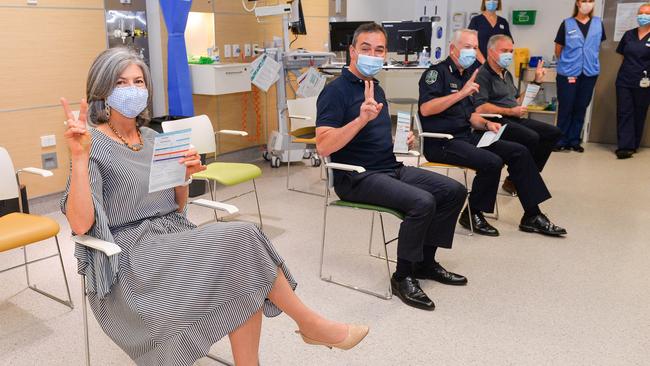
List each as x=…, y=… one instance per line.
x=577, y=46
x=633, y=85
x=487, y=25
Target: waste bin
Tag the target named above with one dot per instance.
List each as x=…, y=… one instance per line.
x=197, y=187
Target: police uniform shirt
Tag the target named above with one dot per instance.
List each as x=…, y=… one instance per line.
x=560, y=37
x=485, y=30
x=439, y=81
x=339, y=104
x=497, y=90
x=636, y=58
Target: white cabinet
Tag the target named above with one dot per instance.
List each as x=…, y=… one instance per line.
x=220, y=79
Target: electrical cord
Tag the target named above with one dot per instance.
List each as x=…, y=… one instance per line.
x=243, y=3
x=295, y=39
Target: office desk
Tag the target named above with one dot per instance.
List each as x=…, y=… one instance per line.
x=397, y=81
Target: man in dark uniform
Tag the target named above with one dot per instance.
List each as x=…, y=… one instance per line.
x=446, y=107
x=498, y=95
x=353, y=127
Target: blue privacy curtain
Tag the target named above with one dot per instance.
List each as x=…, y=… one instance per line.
x=179, y=85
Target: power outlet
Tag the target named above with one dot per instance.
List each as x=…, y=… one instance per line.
x=47, y=141
x=236, y=51
x=32, y=2
x=227, y=51
x=247, y=50
x=49, y=161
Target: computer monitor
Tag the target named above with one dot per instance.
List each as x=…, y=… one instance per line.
x=341, y=34
x=407, y=38
x=297, y=21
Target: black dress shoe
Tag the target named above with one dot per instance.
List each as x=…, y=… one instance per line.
x=409, y=291
x=577, y=148
x=540, y=224
x=437, y=273
x=509, y=186
x=479, y=223
x=560, y=148
x=624, y=153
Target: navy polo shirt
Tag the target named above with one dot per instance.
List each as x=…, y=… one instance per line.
x=339, y=104
x=485, y=30
x=636, y=59
x=439, y=81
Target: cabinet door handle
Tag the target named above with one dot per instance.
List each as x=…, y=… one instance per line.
x=233, y=72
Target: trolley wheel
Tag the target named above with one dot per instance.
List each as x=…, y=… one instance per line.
x=306, y=155
x=275, y=162
x=315, y=161
x=266, y=156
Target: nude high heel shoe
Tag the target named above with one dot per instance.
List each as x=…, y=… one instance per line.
x=356, y=333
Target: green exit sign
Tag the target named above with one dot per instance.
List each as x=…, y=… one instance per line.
x=524, y=17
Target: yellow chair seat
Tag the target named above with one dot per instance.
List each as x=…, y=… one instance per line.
x=442, y=165
x=229, y=174
x=20, y=229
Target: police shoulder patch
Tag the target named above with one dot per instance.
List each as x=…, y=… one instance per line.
x=432, y=76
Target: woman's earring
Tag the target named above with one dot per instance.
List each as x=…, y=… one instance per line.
x=107, y=110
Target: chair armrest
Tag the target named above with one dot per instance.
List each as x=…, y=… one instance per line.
x=220, y=206
x=36, y=171
x=296, y=116
x=233, y=132
x=105, y=247
x=346, y=167
x=490, y=115
x=434, y=135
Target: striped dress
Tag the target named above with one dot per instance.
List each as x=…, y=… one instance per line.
x=175, y=289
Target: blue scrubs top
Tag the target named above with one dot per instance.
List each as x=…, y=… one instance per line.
x=636, y=58
x=485, y=30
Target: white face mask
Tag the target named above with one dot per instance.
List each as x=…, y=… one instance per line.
x=586, y=8
x=130, y=101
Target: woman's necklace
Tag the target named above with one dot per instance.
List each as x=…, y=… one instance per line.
x=134, y=147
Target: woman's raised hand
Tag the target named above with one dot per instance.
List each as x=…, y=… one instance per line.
x=192, y=162
x=76, y=133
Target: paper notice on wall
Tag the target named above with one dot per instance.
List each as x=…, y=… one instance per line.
x=531, y=93
x=264, y=72
x=310, y=83
x=625, y=19
x=401, y=145
x=166, y=170
x=490, y=137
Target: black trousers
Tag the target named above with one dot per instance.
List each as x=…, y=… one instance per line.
x=488, y=162
x=430, y=202
x=538, y=137
x=631, y=110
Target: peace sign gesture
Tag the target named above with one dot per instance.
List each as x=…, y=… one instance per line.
x=76, y=133
x=540, y=72
x=370, y=109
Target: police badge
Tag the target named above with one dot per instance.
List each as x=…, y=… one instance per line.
x=432, y=76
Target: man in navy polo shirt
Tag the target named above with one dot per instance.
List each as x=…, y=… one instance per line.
x=353, y=126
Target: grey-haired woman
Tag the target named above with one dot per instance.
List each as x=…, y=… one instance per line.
x=175, y=288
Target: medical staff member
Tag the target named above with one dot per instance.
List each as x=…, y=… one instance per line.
x=577, y=45
x=487, y=25
x=633, y=85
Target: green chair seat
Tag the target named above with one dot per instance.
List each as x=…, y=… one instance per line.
x=229, y=174
x=365, y=206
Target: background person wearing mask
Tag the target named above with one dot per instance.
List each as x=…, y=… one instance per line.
x=633, y=85
x=577, y=46
x=487, y=25
x=498, y=94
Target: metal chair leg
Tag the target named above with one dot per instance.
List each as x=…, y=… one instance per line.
x=26, y=266
x=210, y=183
x=469, y=210
x=68, y=302
x=85, y=311
x=372, y=230
x=65, y=277
x=257, y=200
x=220, y=360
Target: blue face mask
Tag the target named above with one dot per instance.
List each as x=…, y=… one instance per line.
x=643, y=19
x=369, y=66
x=505, y=60
x=491, y=5
x=129, y=101
x=467, y=57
